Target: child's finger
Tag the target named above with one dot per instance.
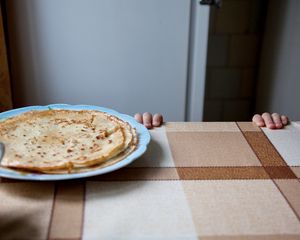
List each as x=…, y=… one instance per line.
x=147, y=119
x=277, y=120
x=157, y=120
x=268, y=120
x=258, y=120
x=284, y=120
x=138, y=117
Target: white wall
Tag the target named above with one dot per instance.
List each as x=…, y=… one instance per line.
x=279, y=76
x=129, y=55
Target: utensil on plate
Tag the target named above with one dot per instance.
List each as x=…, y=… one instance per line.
x=2, y=150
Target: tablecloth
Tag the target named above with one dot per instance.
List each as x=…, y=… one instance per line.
x=210, y=181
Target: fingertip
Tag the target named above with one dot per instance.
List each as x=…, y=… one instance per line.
x=258, y=120
x=157, y=120
x=284, y=120
x=260, y=123
x=256, y=116
x=147, y=125
x=138, y=117
x=156, y=124
x=271, y=126
x=147, y=120
x=266, y=114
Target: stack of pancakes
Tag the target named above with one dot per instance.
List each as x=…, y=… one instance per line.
x=65, y=141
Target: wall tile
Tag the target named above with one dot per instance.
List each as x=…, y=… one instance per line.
x=224, y=83
x=243, y=50
x=257, y=16
x=218, y=50
x=247, y=83
x=212, y=17
x=237, y=110
x=233, y=17
x=213, y=110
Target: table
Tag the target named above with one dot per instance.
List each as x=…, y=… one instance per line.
x=211, y=181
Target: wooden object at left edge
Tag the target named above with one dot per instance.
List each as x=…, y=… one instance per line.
x=5, y=87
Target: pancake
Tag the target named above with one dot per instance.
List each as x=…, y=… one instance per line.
x=130, y=145
x=60, y=141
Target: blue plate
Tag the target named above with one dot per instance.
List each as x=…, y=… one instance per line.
x=142, y=132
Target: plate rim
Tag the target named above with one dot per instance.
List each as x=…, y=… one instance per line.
x=142, y=132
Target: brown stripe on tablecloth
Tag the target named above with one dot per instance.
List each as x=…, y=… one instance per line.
x=248, y=127
x=261, y=146
x=280, y=172
x=268, y=155
x=222, y=173
x=193, y=173
x=51, y=215
x=67, y=213
x=253, y=237
x=290, y=189
x=275, y=166
x=139, y=173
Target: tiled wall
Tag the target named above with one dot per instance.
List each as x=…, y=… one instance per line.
x=232, y=62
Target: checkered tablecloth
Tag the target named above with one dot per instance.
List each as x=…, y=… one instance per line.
x=210, y=181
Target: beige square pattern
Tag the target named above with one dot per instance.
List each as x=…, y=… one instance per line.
x=137, y=210
x=25, y=210
x=202, y=149
x=296, y=170
x=158, y=152
x=201, y=127
x=233, y=208
x=291, y=190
